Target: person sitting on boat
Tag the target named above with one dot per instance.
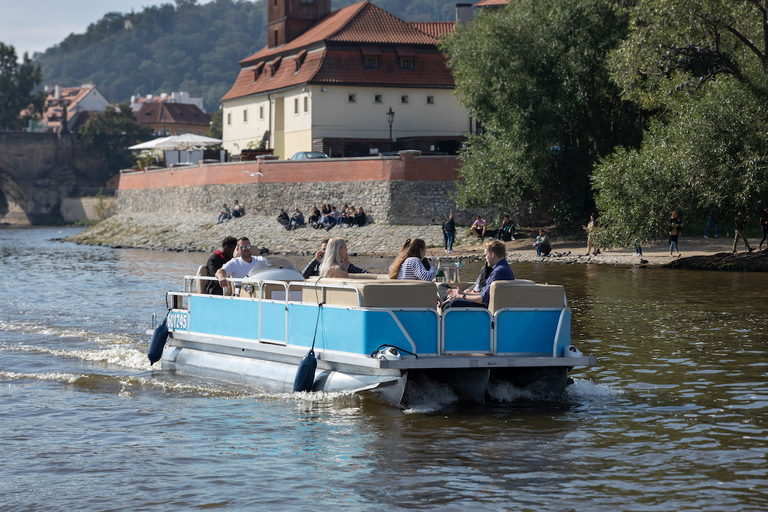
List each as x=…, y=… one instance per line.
x=239, y=267
x=495, y=257
x=336, y=259
x=312, y=268
x=216, y=261
x=409, y=266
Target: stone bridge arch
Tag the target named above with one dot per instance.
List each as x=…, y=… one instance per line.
x=13, y=201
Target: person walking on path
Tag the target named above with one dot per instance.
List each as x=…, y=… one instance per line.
x=738, y=226
x=449, y=232
x=591, y=230
x=675, y=230
x=764, y=225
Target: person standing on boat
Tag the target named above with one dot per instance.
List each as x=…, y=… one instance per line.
x=216, y=261
x=496, y=258
x=336, y=259
x=313, y=267
x=239, y=267
x=409, y=265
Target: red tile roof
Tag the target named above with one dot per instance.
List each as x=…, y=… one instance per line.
x=339, y=40
x=174, y=113
x=435, y=29
x=69, y=96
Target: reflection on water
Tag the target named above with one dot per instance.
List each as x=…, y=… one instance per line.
x=673, y=417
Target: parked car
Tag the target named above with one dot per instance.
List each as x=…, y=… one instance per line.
x=305, y=155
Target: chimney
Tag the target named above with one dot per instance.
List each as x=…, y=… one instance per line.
x=57, y=92
x=463, y=14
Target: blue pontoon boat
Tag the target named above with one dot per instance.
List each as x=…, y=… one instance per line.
x=370, y=334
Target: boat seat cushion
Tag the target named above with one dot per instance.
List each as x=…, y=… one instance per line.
x=389, y=293
x=525, y=294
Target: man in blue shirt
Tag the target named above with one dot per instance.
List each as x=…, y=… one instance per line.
x=496, y=258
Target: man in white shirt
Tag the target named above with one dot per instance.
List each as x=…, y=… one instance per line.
x=238, y=268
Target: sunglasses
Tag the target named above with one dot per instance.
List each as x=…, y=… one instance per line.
x=244, y=247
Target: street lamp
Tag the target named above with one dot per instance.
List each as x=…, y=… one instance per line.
x=390, y=119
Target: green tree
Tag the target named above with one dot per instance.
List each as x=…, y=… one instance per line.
x=216, y=124
x=111, y=132
x=535, y=75
x=17, y=84
x=700, y=66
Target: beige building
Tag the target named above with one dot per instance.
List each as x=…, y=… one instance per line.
x=327, y=81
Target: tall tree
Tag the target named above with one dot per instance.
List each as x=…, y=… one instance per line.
x=701, y=66
x=111, y=132
x=535, y=75
x=17, y=84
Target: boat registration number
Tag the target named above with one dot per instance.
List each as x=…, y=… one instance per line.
x=178, y=321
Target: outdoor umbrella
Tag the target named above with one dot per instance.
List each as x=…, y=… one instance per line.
x=188, y=140
x=151, y=144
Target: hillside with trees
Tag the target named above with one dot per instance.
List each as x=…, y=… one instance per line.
x=182, y=46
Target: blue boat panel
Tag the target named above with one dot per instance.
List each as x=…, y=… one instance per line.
x=273, y=321
x=421, y=326
x=467, y=331
x=302, y=319
x=225, y=317
x=526, y=331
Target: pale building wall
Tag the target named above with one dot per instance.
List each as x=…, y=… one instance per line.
x=334, y=115
x=93, y=101
x=244, y=120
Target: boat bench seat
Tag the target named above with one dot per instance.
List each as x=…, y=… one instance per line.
x=386, y=293
x=376, y=277
x=525, y=294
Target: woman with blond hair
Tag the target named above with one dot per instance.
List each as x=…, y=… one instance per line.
x=335, y=260
x=408, y=264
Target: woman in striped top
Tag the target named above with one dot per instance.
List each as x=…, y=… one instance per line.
x=408, y=264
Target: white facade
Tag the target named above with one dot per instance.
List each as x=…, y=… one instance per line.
x=296, y=116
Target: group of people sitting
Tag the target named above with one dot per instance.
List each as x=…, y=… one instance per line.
x=326, y=217
x=506, y=231
x=235, y=260
x=226, y=214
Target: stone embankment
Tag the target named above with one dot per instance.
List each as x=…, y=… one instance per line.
x=192, y=233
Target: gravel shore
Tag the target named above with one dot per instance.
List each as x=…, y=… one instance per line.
x=200, y=233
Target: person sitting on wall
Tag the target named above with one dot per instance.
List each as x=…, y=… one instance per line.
x=314, y=218
x=335, y=260
x=359, y=218
x=224, y=214
x=312, y=268
x=237, y=210
x=332, y=218
x=239, y=267
x=542, y=244
x=216, y=261
x=283, y=218
x=506, y=231
x=297, y=219
x=495, y=257
x=409, y=265
x=479, y=227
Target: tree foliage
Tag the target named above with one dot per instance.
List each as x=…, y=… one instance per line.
x=17, y=85
x=701, y=66
x=187, y=47
x=535, y=76
x=111, y=132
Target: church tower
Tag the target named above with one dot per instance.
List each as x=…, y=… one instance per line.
x=288, y=19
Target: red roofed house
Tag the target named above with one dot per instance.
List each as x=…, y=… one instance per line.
x=76, y=104
x=174, y=118
x=326, y=81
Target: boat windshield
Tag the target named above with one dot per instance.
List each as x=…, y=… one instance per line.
x=275, y=262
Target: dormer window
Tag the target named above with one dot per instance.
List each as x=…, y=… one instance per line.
x=299, y=60
x=371, y=55
x=406, y=57
x=257, y=71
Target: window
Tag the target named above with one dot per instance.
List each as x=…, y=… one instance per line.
x=404, y=98
x=406, y=62
x=261, y=112
x=295, y=105
x=275, y=37
x=180, y=131
x=306, y=104
x=245, y=115
x=377, y=98
x=229, y=118
x=200, y=132
x=430, y=100
x=371, y=61
x=352, y=98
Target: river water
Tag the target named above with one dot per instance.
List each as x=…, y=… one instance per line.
x=673, y=417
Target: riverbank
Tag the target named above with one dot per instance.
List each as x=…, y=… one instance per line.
x=191, y=233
